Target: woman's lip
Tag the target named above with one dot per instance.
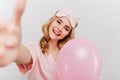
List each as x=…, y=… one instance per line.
x=56, y=31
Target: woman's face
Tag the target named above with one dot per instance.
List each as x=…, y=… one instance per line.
x=59, y=28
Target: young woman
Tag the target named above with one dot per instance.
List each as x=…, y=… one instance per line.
x=36, y=59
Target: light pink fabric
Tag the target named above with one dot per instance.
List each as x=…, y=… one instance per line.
x=43, y=67
x=70, y=14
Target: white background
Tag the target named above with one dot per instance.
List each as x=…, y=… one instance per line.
x=99, y=21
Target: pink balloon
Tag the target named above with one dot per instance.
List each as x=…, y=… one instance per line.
x=79, y=59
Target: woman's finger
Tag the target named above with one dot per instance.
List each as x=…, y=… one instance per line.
x=3, y=26
x=18, y=11
x=11, y=41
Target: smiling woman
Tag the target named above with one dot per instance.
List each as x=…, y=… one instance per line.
x=36, y=59
x=60, y=27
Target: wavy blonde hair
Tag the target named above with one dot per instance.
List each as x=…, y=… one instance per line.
x=44, y=40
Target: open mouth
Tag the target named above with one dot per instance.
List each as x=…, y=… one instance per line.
x=56, y=32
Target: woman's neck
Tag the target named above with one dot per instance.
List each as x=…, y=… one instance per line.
x=53, y=49
x=52, y=44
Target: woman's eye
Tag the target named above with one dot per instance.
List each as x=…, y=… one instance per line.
x=58, y=22
x=66, y=29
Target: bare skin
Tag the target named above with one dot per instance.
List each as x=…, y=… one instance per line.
x=10, y=38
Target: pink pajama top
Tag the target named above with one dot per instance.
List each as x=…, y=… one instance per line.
x=43, y=66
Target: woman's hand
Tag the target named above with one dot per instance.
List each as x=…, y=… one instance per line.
x=10, y=34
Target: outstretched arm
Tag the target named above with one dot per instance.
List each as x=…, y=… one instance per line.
x=10, y=38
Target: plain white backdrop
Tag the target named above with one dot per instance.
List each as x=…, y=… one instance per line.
x=99, y=21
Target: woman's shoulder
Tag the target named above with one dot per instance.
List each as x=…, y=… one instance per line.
x=34, y=48
x=32, y=45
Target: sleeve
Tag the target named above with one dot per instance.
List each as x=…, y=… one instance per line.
x=27, y=68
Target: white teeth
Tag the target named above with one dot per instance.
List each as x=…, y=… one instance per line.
x=56, y=32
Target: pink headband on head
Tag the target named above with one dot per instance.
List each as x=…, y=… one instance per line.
x=69, y=13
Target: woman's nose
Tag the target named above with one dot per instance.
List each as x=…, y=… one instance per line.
x=60, y=28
